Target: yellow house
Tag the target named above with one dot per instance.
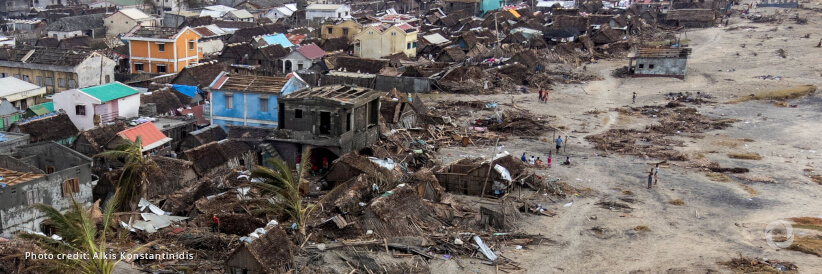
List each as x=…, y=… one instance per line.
x=162, y=50
x=345, y=28
x=379, y=40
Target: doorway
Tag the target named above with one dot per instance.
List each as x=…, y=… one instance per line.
x=325, y=123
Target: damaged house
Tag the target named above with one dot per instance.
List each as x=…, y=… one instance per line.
x=56, y=69
x=55, y=126
x=471, y=176
x=692, y=18
x=221, y=156
x=659, y=62
x=334, y=120
x=249, y=100
x=46, y=173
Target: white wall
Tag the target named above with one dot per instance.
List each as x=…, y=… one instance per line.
x=68, y=99
x=342, y=12
x=129, y=106
x=120, y=23
x=211, y=46
x=93, y=71
x=60, y=35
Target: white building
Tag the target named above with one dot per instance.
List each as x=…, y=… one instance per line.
x=322, y=11
x=92, y=106
x=124, y=20
x=239, y=15
x=216, y=11
x=285, y=11
x=20, y=93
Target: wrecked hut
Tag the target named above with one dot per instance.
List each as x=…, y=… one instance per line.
x=469, y=176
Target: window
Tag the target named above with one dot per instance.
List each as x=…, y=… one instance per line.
x=229, y=101
x=263, y=104
x=80, y=110
x=191, y=45
x=300, y=66
x=330, y=30
x=641, y=65
x=71, y=186
x=72, y=83
x=161, y=47
x=50, y=169
x=49, y=81
x=33, y=197
x=25, y=78
x=345, y=31
x=408, y=46
x=61, y=82
x=414, y=45
x=138, y=67
x=394, y=33
x=161, y=68
x=650, y=66
x=298, y=113
x=346, y=13
x=3, y=75
x=108, y=79
x=40, y=81
x=348, y=122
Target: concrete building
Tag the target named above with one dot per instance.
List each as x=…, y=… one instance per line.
x=316, y=12
x=302, y=58
x=340, y=28
x=90, y=25
x=379, y=40
x=659, y=62
x=175, y=19
x=124, y=20
x=333, y=120
x=212, y=38
x=93, y=106
x=249, y=100
x=14, y=8
x=239, y=15
x=20, y=93
x=9, y=114
x=46, y=173
x=162, y=50
x=282, y=12
x=56, y=69
x=9, y=141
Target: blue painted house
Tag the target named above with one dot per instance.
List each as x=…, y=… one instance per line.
x=249, y=100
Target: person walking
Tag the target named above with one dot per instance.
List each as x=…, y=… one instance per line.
x=545, y=96
x=540, y=95
x=215, y=223
x=656, y=174
x=559, y=143
x=633, y=99
x=549, y=159
x=523, y=158
x=650, y=178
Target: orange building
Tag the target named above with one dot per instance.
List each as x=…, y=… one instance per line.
x=162, y=50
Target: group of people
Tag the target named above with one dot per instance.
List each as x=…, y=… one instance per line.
x=543, y=95
x=536, y=162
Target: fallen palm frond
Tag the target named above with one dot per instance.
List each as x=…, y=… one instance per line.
x=745, y=156
x=677, y=202
x=809, y=245
x=780, y=94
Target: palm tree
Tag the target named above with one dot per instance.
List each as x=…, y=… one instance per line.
x=133, y=182
x=80, y=235
x=280, y=182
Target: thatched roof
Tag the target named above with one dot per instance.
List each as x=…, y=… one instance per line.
x=99, y=137
x=701, y=15
x=577, y=22
x=234, y=149
x=206, y=157
x=360, y=65
x=209, y=134
x=199, y=75
x=165, y=100
x=452, y=54
x=363, y=165
x=607, y=35
x=248, y=133
x=168, y=177
x=335, y=44
x=272, y=250
x=50, y=128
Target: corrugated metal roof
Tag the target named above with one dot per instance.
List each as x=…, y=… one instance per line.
x=134, y=14
x=44, y=108
x=436, y=39
x=109, y=92
x=149, y=134
x=311, y=51
x=323, y=7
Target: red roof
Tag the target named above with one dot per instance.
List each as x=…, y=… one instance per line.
x=311, y=51
x=147, y=132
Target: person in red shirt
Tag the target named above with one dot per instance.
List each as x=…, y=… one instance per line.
x=215, y=226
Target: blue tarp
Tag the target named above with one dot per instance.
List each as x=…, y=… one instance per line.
x=189, y=91
x=278, y=39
